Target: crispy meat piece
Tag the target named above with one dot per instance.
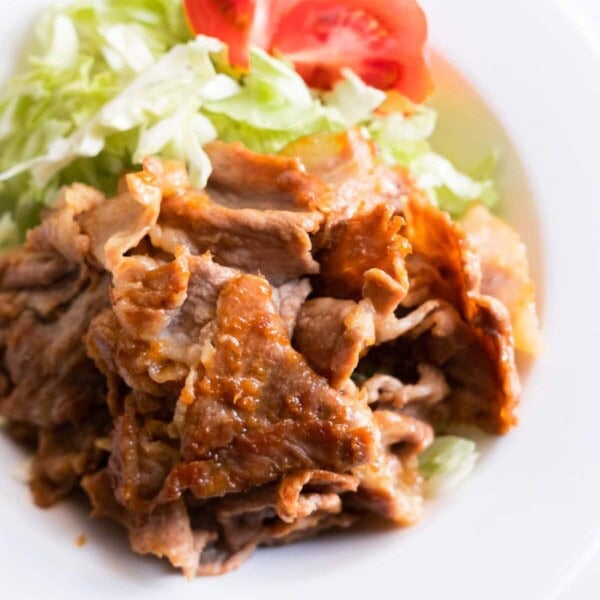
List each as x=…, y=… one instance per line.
x=469, y=335
x=371, y=241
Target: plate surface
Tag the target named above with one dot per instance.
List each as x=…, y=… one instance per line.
x=528, y=519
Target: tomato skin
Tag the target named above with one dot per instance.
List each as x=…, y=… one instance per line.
x=229, y=20
x=415, y=82
x=381, y=40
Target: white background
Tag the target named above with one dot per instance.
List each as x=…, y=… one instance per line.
x=587, y=587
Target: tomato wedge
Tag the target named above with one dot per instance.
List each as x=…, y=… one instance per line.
x=235, y=22
x=381, y=40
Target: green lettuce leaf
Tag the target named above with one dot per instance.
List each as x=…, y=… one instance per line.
x=148, y=111
x=9, y=234
x=107, y=82
x=447, y=463
x=403, y=140
x=83, y=55
x=275, y=107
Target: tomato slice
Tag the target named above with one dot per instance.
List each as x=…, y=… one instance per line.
x=382, y=41
x=235, y=22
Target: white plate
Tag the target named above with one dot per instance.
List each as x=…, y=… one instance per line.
x=528, y=519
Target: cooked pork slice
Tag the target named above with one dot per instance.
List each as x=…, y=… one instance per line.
x=258, y=361
x=52, y=379
x=142, y=454
x=371, y=241
x=289, y=299
x=153, y=334
x=59, y=232
x=506, y=274
x=49, y=296
x=50, y=299
x=66, y=453
x=333, y=334
x=166, y=532
x=349, y=164
x=257, y=411
x=468, y=335
x=48, y=271
x=273, y=243
x=28, y=268
x=390, y=485
x=117, y=226
x=41, y=281
x=244, y=179
x=297, y=506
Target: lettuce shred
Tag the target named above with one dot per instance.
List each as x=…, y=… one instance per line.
x=403, y=140
x=107, y=82
x=447, y=463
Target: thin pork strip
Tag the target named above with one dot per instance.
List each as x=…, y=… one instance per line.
x=333, y=334
x=166, y=532
x=153, y=335
x=299, y=505
x=241, y=178
x=53, y=380
x=274, y=242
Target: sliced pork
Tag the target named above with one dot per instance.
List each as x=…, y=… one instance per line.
x=255, y=362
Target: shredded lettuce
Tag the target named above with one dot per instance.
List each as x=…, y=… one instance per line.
x=83, y=54
x=403, y=140
x=107, y=82
x=275, y=107
x=146, y=116
x=8, y=231
x=447, y=463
